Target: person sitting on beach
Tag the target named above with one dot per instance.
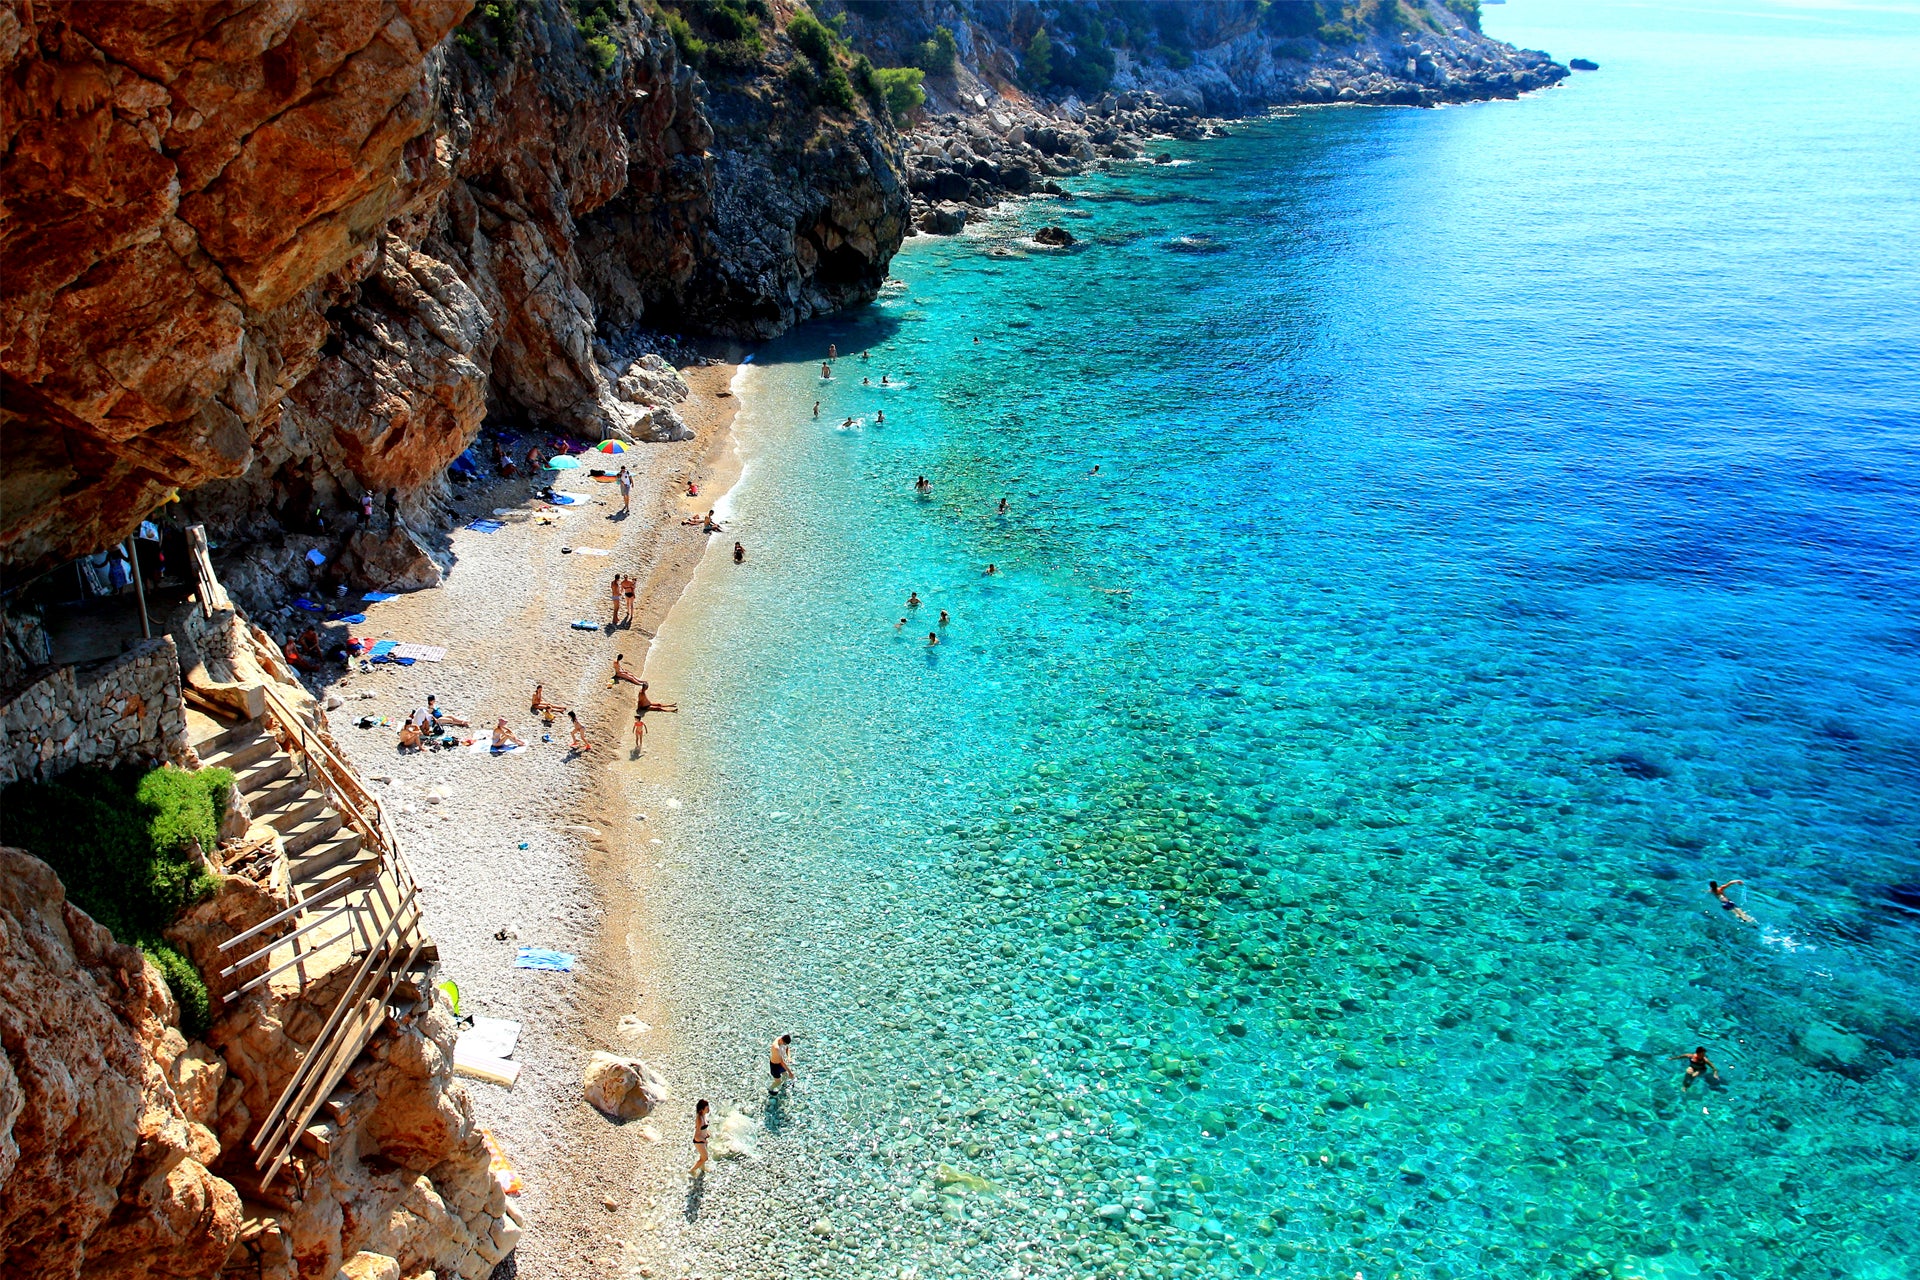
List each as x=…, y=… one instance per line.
x=541, y=707
x=1719, y=891
x=646, y=702
x=739, y=553
x=1698, y=1065
x=780, y=1064
x=579, y=740
x=711, y=525
x=411, y=730
x=693, y=490
x=439, y=717
x=300, y=660
x=620, y=672
x=503, y=737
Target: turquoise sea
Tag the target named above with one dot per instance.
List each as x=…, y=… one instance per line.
x=1292, y=861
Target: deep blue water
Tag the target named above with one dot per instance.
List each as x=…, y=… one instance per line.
x=1293, y=859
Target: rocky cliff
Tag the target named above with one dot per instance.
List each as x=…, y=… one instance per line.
x=272, y=253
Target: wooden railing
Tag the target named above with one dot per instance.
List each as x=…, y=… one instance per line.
x=382, y=926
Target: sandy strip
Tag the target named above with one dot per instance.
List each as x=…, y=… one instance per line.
x=543, y=844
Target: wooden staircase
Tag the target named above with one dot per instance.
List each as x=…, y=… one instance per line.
x=354, y=906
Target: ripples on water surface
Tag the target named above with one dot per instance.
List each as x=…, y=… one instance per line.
x=1293, y=861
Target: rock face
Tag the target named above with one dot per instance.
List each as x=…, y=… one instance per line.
x=275, y=254
x=622, y=1088
x=103, y=1171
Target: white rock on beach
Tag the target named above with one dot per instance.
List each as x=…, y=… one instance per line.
x=623, y=1088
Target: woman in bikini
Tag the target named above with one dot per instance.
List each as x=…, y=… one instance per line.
x=699, y=1137
x=618, y=582
x=579, y=742
x=630, y=583
x=780, y=1064
x=620, y=672
x=1719, y=891
x=503, y=737
x=1698, y=1066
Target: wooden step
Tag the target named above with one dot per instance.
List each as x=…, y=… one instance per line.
x=256, y=777
x=241, y=751
x=309, y=831
x=338, y=859
x=207, y=734
x=291, y=811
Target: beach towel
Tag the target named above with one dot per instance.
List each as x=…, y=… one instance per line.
x=562, y=500
x=396, y=661
x=301, y=602
x=486, y=526
x=420, y=652
x=584, y=625
x=589, y=551
x=375, y=597
x=539, y=958
x=489, y=1037
x=483, y=746
x=316, y=557
x=355, y=618
x=381, y=647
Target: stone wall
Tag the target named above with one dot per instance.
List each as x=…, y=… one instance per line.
x=126, y=709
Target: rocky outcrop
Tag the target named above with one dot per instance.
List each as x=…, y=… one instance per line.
x=272, y=255
x=622, y=1088
x=103, y=1171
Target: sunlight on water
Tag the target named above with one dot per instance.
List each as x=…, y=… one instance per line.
x=1292, y=860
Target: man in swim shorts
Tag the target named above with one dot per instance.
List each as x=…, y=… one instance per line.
x=1698, y=1065
x=780, y=1063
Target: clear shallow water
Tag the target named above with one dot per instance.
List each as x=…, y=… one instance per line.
x=1292, y=861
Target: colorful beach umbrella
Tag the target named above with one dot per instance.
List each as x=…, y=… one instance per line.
x=563, y=462
x=612, y=446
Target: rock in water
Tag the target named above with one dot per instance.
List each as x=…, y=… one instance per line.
x=622, y=1088
x=1832, y=1049
x=1584, y=64
x=1059, y=237
x=947, y=219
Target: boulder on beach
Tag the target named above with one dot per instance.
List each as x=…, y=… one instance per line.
x=1059, y=237
x=622, y=1088
x=394, y=562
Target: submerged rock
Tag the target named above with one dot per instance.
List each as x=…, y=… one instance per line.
x=1059, y=237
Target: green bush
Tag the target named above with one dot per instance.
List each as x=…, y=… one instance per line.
x=938, y=55
x=811, y=37
x=603, y=52
x=1469, y=10
x=898, y=89
x=121, y=842
x=1036, y=65
x=188, y=987
x=836, y=90
x=492, y=28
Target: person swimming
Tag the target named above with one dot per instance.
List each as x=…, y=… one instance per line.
x=1003, y=508
x=991, y=570
x=866, y=382
x=880, y=416
x=922, y=485
x=913, y=599
x=1719, y=891
x=943, y=617
x=1698, y=1065
x=884, y=382
x=933, y=637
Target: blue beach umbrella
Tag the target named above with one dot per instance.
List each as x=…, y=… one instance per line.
x=563, y=462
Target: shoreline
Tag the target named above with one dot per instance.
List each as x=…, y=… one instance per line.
x=534, y=845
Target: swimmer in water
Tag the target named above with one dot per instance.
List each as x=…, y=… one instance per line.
x=880, y=416
x=866, y=382
x=921, y=485
x=780, y=1064
x=913, y=599
x=1698, y=1065
x=1719, y=891
x=1095, y=471
x=816, y=408
x=1003, y=507
x=900, y=624
x=826, y=372
x=883, y=381
x=991, y=570
x=833, y=351
x=943, y=618
x=933, y=637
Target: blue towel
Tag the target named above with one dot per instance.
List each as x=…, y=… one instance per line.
x=375, y=597
x=355, y=618
x=316, y=557
x=539, y=958
x=382, y=647
x=301, y=602
x=562, y=500
x=486, y=526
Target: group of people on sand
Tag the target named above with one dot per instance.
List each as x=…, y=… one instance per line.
x=779, y=1066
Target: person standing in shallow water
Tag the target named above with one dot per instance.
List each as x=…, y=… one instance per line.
x=826, y=371
x=780, y=1063
x=1698, y=1065
x=699, y=1137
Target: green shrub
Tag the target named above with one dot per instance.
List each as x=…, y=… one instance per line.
x=811, y=37
x=603, y=52
x=188, y=987
x=1338, y=33
x=1468, y=10
x=492, y=28
x=937, y=56
x=121, y=842
x=836, y=90
x=1036, y=65
x=898, y=89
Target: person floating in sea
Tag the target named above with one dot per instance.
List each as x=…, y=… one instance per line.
x=866, y=355
x=1698, y=1065
x=503, y=737
x=991, y=570
x=913, y=599
x=579, y=740
x=933, y=637
x=647, y=703
x=1095, y=471
x=1719, y=891
x=900, y=624
x=1003, y=508
x=922, y=485
x=866, y=382
x=780, y=1064
x=943, y=617
x=620, y=672
x=699, y=1137
x=880, y=416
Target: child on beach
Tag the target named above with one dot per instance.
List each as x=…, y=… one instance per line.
x=579, y=741
x=639, y=724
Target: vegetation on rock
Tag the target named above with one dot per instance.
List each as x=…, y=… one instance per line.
x=123, y=843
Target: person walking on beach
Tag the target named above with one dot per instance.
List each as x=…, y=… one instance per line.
x=1719, y=891
x=639, y=724
x=579, y=741
x=780, y=1064
x=699, y=1137
x=626, y=491
x=1698, y=1065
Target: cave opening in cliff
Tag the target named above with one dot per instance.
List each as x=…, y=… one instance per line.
x=841, y=267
